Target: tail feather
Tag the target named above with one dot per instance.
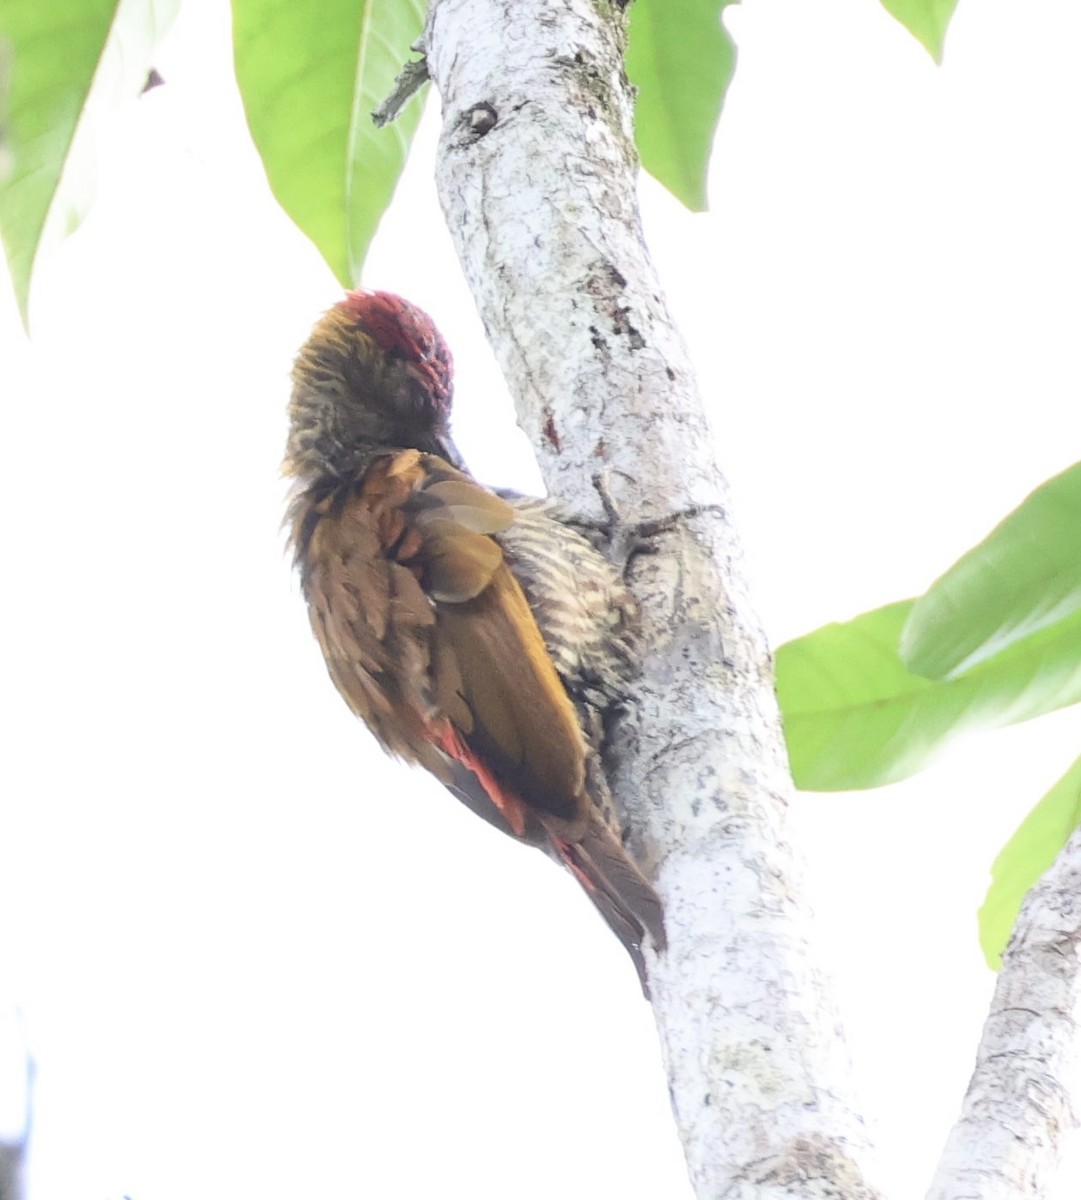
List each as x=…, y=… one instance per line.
x=618, y=889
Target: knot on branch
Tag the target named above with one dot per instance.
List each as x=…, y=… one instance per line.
x=477, y=121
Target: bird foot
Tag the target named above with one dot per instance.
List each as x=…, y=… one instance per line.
x=623, y=542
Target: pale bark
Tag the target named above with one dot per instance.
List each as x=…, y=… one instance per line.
x=537, y=176
x=1022, y=1099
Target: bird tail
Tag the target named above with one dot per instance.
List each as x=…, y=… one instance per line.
x=618, y=889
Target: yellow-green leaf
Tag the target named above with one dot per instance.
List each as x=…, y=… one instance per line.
x=1023, y=577
x=856, y=717
x=681, y=59
x=926, y=20
x=70, y=64
x=310, y=74
x=1025, y=857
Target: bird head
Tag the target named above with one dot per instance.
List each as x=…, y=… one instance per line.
x=374, y=375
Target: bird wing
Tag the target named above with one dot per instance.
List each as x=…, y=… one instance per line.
x=429, y=638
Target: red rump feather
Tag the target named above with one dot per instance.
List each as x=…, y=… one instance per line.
x=449, y=740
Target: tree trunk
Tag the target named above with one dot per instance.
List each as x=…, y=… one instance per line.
x=1022, y=1100
x=537, y=177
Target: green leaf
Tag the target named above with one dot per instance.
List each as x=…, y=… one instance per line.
x=71, y=64
x=926, y=20
x=310, y=73
x=1023, y=577
x=1025, y=857
x=681, y=59
x=856, y=717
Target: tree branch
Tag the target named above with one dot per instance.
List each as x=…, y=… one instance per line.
x=411, y=78
x=537, y=177
x=1021, y=1100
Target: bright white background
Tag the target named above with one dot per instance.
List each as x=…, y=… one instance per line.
x=256, y=958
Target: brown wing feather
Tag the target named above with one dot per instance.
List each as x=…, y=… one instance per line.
x=524, y=728
x=421, y=622
x=374, y=624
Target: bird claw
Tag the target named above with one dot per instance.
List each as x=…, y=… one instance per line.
x=623, y=542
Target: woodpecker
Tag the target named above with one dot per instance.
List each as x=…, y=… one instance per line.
x=472, y=631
